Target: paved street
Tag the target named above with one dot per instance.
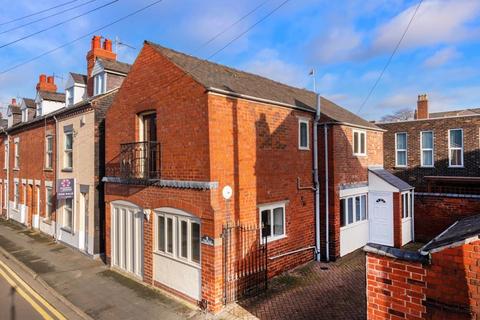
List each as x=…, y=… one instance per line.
x=86, y=283
x=314, y=291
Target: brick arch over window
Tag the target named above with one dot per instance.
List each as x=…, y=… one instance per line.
x=125, y=203
x=181, y=205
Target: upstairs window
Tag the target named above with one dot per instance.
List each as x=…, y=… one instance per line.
x=16, y=162
x=99, y=84
x=455, y=147
x=272, y=219
x=359, y=143
x=426, y=152
x=48, y=152
x=69, y=96
x=303, y=143
x=401, y=149
x=68, y=150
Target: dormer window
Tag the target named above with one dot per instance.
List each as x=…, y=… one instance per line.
x=69, y=96
x=24, y=115
x=99, y=84
x=39, y=109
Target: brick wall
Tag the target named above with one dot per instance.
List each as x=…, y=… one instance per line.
x=344, y=169
x=414, y=173
x=446, y=288
x=434, y=213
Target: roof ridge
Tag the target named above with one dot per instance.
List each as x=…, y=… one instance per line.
x=227, y=67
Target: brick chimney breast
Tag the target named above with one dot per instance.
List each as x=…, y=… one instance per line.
x=46, y=83
x=97, y=50
x=422, y=107
x=14, y=102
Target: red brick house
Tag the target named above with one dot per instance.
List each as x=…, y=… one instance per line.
x=201, y=157
x=67, y=127
x=439, y=154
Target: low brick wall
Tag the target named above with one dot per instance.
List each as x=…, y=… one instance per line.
x=445, y=285
x=436, y=212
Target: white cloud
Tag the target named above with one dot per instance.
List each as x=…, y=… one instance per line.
x=436, y=22
x=337, y=44
x=441, y=57
x=269, y=64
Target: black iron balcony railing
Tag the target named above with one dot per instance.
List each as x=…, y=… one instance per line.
x=137, y=160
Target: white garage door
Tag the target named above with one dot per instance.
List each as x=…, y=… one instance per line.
x=127, y=238
x=381, y=217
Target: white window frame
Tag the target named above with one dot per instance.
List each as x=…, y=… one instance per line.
x=422, y=149
x=67, y=211
x=455, y=148
x=401, y=150
x=406, y=198
x=5, y=159
x=16, y=153
x=24, y=115
x=48, y=153
x=360, y=134
x=177, y=216
x=16, y=195
x=67, y=152
x=354, y=208
x=5, y=194
x=306, y=122
x=69, y=96
x=100, y=88
x=271, y=207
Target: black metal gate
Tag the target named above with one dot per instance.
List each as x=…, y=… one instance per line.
x=245, y=257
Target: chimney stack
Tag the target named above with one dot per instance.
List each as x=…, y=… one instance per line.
x=14, y=102
x=422, y=107
x=46, y=83
x=101, y=50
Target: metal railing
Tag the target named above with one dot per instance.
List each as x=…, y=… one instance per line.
x=137, y=160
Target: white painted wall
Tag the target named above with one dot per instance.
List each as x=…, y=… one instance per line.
x=406, y=230
x=353, y=237
x=51, y=106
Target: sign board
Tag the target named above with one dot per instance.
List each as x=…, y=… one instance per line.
x=65, y=188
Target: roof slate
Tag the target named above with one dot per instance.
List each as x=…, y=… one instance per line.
x=213, y=75
x=30, y=103
x=79, y=78
x=52, y=96
x=391, y=179
x=116, y=66
x=461, y=230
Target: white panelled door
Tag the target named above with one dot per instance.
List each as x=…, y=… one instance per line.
x=381, y=217
x=127, y=238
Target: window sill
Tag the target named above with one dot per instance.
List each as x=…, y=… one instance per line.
x=272, y=239
x=359, y=154
x=67, y=170
x=400, y=167
x=67, y=230
x=180, y=260
x=304, y=148
x=427, y=167
x=16, y=169
x=456, y=167
x=354, y=224
x=48, y=169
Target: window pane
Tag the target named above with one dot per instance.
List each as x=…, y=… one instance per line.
x=364, y=207
x=169, y=235
x=183, y=239
x=68, y=213
x=401, y=141
x=342, y=213
x=456, y=138
x=161, y=233
x=401, y=158
x=427, y=140
x=68, y=141
x=456, y=157
x=362, y=143
x=303, y=134
x=357, y=209
x=266, y=224
x=350, y=210
x=355, y=142
x=195, y=242
x=278, y=221
x=427, y=158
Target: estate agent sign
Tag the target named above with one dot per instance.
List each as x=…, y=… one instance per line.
x=65, y=188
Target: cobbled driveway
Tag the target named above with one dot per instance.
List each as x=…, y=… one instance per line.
x=315, y=291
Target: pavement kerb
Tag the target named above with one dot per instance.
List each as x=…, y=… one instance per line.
x=51, y=290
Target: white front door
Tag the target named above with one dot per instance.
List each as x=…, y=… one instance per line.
x=381, y=217
x=127, y=238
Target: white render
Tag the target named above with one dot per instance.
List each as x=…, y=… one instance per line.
x=79, y=90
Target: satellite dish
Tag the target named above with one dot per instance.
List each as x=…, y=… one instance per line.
x=227, y=192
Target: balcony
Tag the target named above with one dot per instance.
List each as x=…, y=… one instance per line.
x=136, y=161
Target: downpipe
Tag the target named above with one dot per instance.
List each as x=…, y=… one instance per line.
x=316, y=180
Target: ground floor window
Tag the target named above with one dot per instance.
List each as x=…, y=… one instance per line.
x=16, y=195
x=407, y=205
x=178, y=236
x=68, y=214
x=5, y=195
x=353, y=209
x=48, y=203
x=272, y=219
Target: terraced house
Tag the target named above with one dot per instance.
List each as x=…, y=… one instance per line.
x=53, y=147
x=217, y=179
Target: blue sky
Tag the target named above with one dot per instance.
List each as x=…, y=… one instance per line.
x=347, y=42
